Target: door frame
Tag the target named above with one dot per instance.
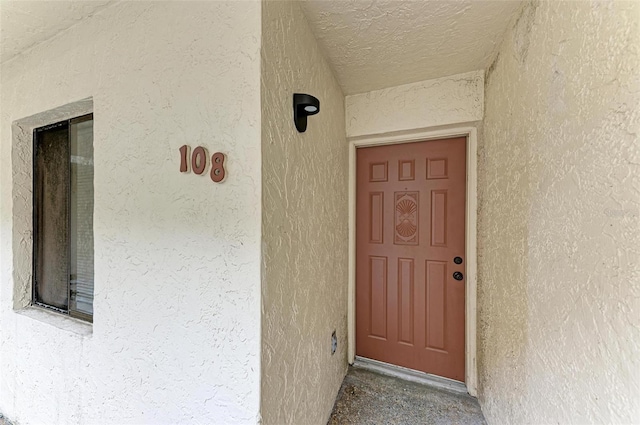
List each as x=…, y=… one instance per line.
x=471, y=221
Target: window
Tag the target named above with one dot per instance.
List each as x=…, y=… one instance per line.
x=63, y=217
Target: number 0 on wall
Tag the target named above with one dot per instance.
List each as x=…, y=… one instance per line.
x=199, y=162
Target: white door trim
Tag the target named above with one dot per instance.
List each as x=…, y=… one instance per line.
x=471, y=215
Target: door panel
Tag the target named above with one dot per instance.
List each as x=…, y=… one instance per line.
x=378, y=290
x=410, y=218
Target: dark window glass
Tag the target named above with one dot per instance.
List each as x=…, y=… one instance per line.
x=63, y=217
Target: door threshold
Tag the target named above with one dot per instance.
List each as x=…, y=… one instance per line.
x=407, y=374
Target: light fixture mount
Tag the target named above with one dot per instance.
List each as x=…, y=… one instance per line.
x=303, y=106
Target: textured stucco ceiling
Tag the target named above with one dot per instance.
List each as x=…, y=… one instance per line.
x=372, y=44
x=26, y=23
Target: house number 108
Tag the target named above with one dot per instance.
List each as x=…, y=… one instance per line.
x=199, y=162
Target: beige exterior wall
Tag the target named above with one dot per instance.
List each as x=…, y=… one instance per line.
x=304, y=226
x=559, y=235
x=176, y=332
x=426, y=104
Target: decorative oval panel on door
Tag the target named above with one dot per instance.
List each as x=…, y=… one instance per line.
x=406, y=218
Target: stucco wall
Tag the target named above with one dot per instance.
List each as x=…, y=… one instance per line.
x=442, y=101
x=176, y=331
x=559, y=236
x=304, y=219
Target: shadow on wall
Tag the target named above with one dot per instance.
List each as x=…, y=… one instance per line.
x=559, y=239
x=504, y=205
x=502, y=268
x=304, y=226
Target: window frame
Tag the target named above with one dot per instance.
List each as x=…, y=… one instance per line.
x=34, y=302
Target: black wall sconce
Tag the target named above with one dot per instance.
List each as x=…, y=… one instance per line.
x=303, y=106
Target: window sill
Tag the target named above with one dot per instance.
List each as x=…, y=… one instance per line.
x=60, y=321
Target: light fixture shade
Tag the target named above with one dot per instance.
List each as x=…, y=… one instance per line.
x=303, y=106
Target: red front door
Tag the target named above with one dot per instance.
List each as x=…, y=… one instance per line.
x=410, y=221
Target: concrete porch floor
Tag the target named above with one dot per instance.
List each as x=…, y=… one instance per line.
x=367, y=397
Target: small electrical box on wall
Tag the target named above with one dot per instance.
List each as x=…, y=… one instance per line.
x=198, y=161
